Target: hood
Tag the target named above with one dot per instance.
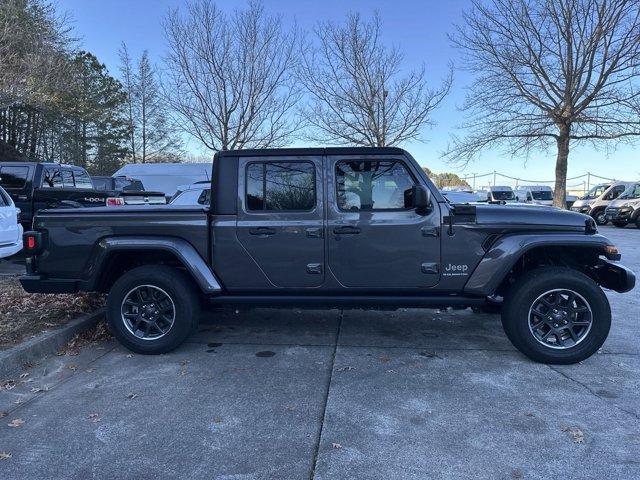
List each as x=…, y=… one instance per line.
x=583, y=202
x=625, y=202
x=534, y=215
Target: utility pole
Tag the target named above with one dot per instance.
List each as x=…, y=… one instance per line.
x=588, y=181
x=474, y=181
x=494, y=177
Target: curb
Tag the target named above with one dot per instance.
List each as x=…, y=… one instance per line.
x=45, y=344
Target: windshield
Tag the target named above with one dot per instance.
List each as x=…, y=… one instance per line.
x=596, y=191
x=632, y=192
x=503, y=195
x=542, y=195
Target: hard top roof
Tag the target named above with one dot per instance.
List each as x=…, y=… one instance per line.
x=312, y=151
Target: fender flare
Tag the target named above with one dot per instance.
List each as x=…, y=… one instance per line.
x=507, y=250
x=183, y=250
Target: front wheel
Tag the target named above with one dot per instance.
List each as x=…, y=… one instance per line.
x=600, y=217
x=556, y=315
x=152, y=309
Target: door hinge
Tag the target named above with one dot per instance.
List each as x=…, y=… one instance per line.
x=430, y=268
x=314, y=268
x=430, y=231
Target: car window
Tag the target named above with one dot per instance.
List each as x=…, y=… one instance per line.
x=100, y=183
x=13, y=177
x=596, y=191
x=503, y=195
x=204, y=197
x=52, y=178
x=632, y=192
x=366, y=185
x=283, y=186
x=4, y=200
x=67, y=178
x=543, y=195
x=83, y=180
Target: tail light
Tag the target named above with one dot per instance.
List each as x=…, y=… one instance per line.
x=32, y=242
x=115, y=201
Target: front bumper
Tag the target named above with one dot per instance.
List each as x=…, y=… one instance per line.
x=614, y=276
x=583, y=209
x=618, y=214
x=11, y=249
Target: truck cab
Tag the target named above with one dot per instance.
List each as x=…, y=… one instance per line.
x=498, y=194
x=327, y=228
x=535, y=194
x=35, y=186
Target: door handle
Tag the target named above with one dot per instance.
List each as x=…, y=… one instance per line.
x=346, y=230
x=262, y=231
x=314, y=232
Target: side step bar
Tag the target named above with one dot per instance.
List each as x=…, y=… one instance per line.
x=352, y=301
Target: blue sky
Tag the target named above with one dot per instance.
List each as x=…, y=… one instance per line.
x=418, y=27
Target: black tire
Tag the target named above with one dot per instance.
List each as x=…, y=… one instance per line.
x=522, y=297
x=600, y=217
x=619, y=224
x=638, y=221
x=159, y=279
x=489, y=307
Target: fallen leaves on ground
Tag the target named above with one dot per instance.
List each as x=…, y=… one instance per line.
x=23, y=314
x=94, y=417
x=15, y=423
x=7, y=384
x=99, y=333
x=336, y=445
x=575, y=432
x=131, y=396
x=5, y=455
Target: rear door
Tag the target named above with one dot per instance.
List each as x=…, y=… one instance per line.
x=374, y=238
x=280, y=218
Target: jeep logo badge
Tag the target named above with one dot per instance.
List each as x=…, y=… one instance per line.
x=452, y=270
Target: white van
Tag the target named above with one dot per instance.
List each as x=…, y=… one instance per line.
x=598, y=198
x=536, y=194
x=10, y=228
x=497, y=194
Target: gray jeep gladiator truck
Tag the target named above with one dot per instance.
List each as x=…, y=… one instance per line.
x=332, y=227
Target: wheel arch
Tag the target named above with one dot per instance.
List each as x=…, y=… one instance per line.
x=114, y=256
x=511, y=255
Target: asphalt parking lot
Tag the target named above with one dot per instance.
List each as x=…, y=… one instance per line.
x=280, y=394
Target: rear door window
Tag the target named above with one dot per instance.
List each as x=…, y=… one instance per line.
x=281, y=186
x=52, y=178
x=13, y=177
x=67, y=178
x=82, y=178
x=100, y=184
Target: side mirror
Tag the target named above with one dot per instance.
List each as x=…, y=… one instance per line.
x=418, y=197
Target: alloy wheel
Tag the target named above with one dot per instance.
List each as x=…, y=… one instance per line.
x=560, y=319
x=148, y=312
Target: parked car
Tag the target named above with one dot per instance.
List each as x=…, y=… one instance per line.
x=626, y=208
x=456, y=196
x=335, y=227
x=497, y=194
x=166, y=177
x=537, y=194
x=35, y=186
x=598, y=198
x=10, y=228
x=196, y=194
x=130, y=190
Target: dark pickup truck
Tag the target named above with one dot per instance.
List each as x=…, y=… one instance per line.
x=35, y=186
x=130, y=190
x=334, y=227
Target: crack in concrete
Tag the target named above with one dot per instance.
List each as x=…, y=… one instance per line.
x=316, y=450
x=594, y=393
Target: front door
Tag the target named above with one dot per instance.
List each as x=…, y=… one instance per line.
x=374, y=238
x=281, y=218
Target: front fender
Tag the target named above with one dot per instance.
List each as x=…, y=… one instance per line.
x=505, y=252
x=182, y=249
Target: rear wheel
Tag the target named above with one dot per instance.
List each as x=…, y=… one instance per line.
x=152, y=309
x=619, y=224
x=556, y=315
x=638, y=221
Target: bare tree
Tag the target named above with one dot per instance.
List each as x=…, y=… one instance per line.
x=549, y=73
x=357, y=93
x=153, y=135
x=230, y=77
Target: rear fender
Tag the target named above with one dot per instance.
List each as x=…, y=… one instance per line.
x=181, y=249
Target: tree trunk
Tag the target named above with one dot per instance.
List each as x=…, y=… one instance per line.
x=560, y=191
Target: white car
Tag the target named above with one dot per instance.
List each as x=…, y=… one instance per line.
x=197, y=194
x=10, y=228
